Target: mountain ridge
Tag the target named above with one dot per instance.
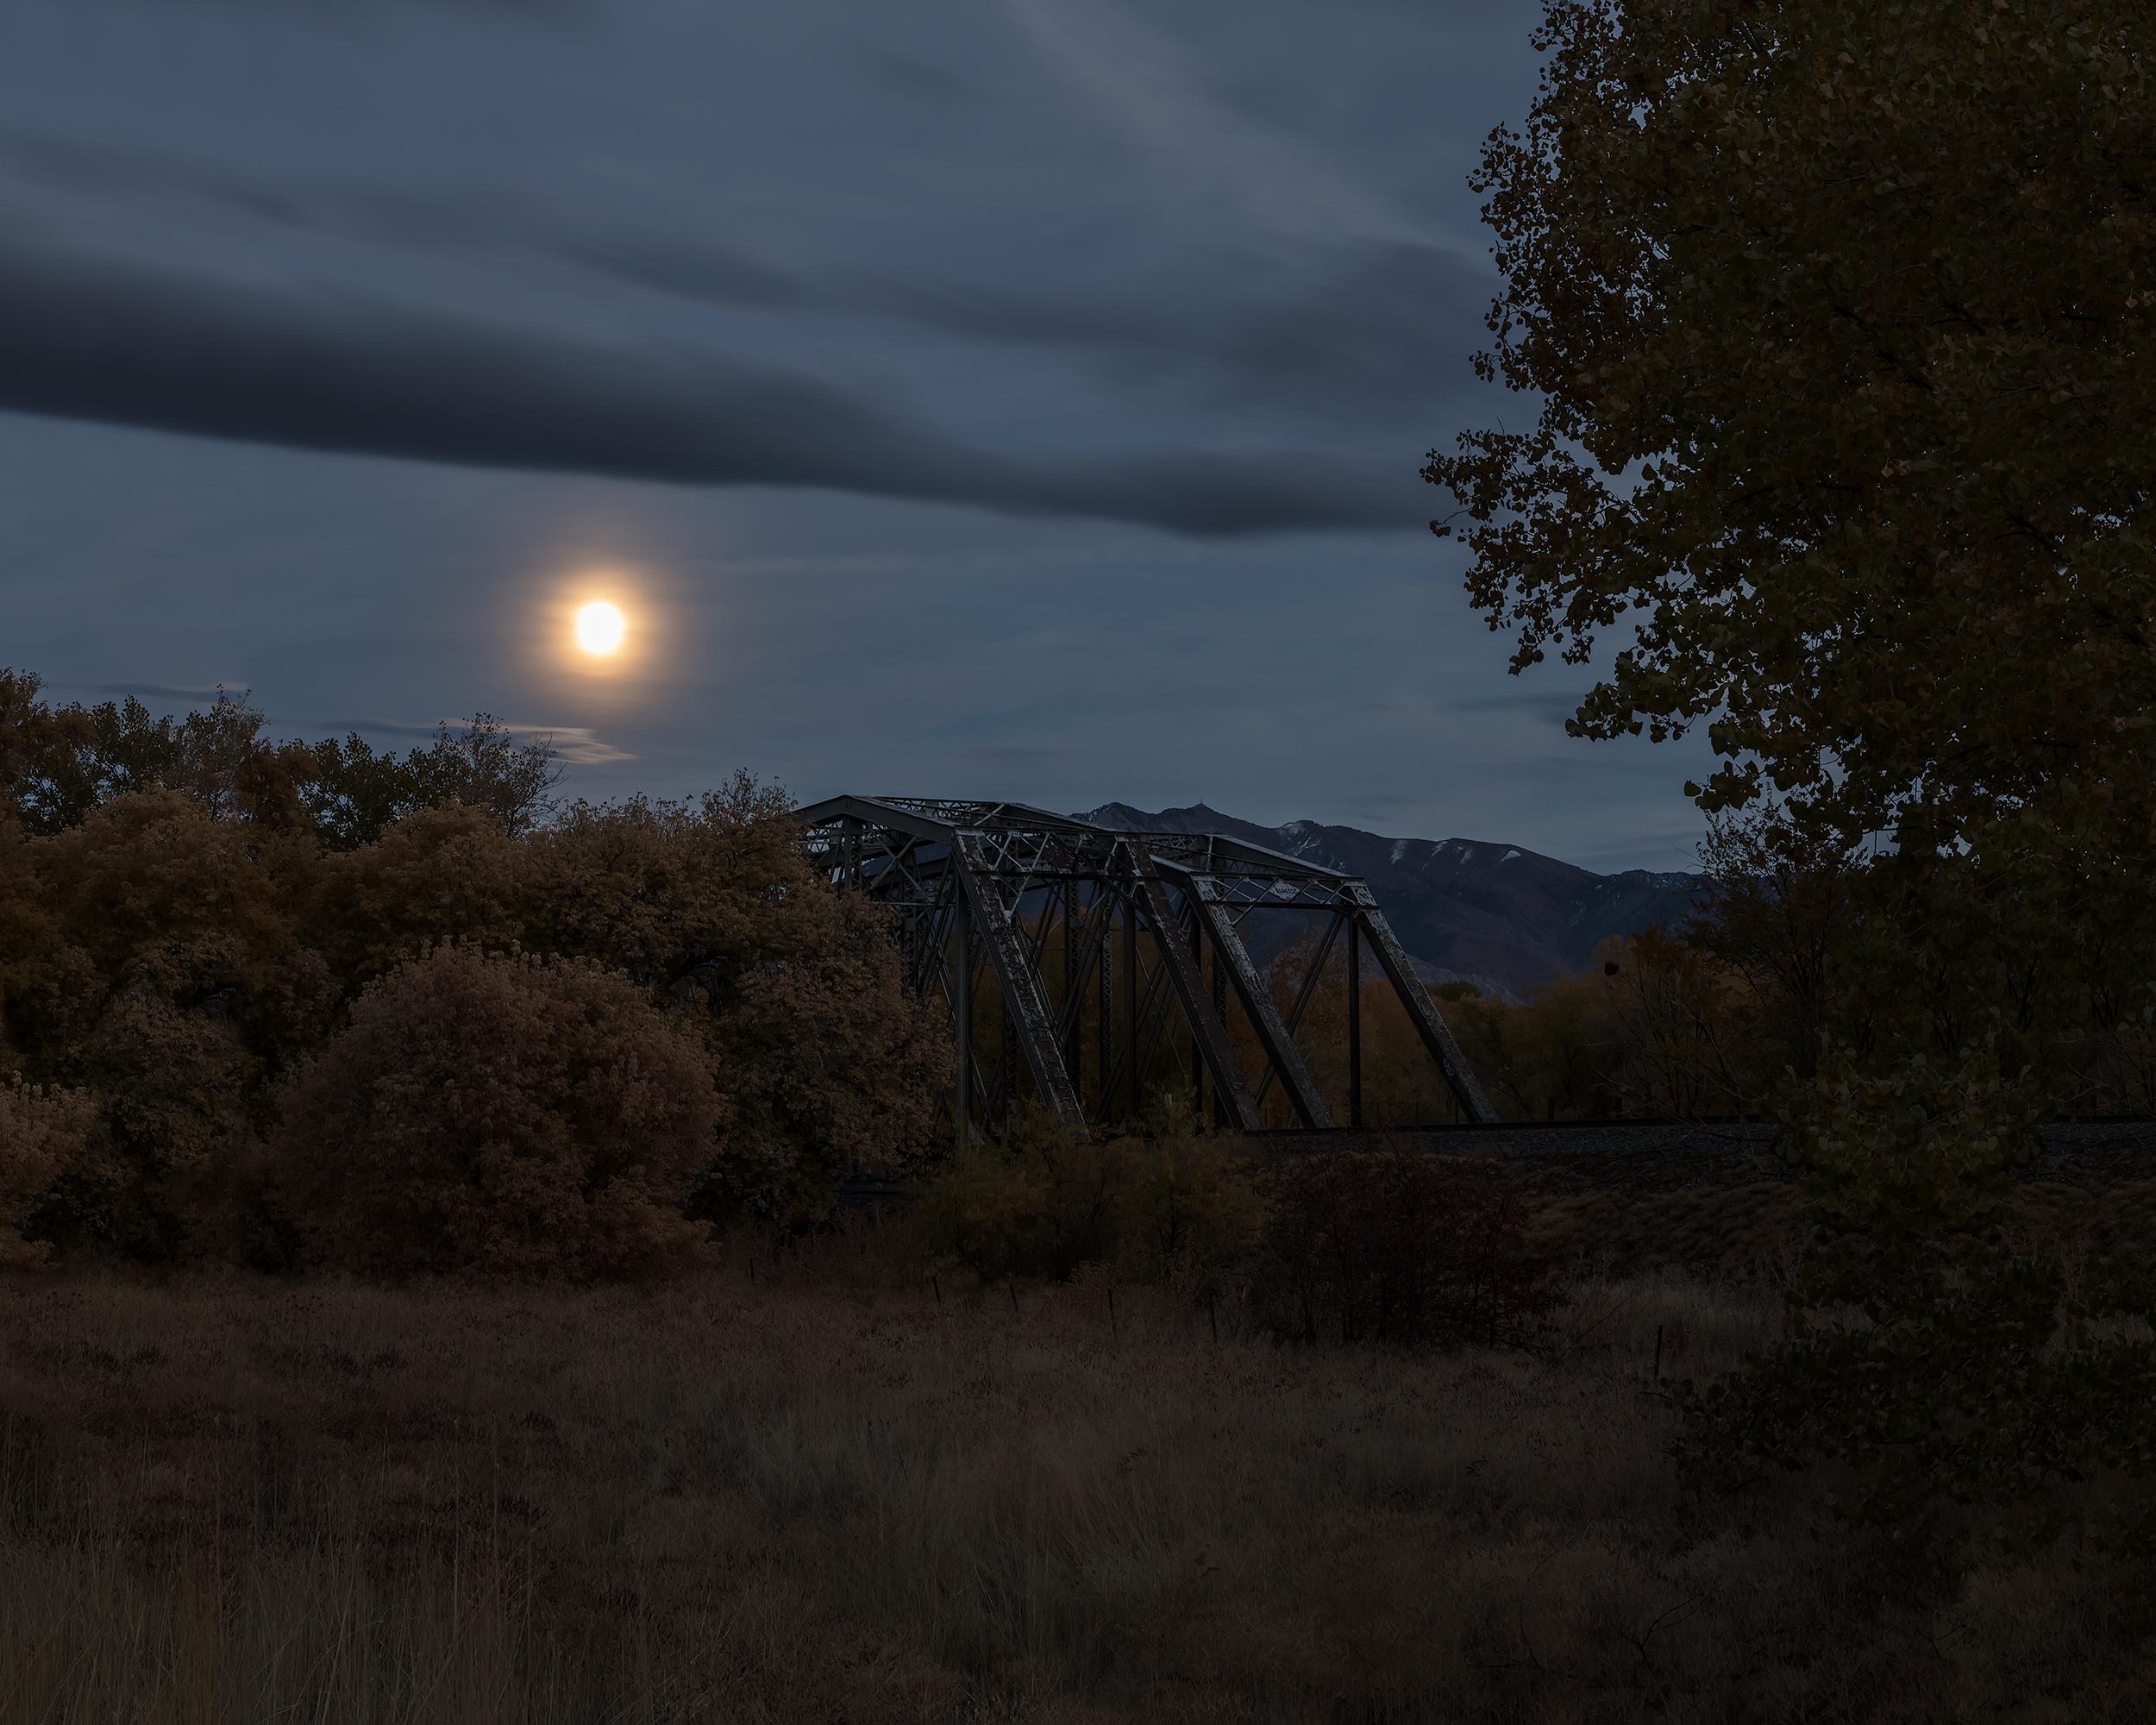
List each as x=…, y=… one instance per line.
x=1500, y=916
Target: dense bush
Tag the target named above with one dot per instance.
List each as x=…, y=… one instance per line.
x=1910, y=1137
x=491, y=1114
x=447, y=874
x=1389, y=1246
x=831, y=1065
x=1186, y=1210
x=43, y=1132
x=1175, y=1206
x=163, y=970
x=1931, y=1352
x=188, y=911
x=1040, y=1203
x=1967, y=1369
x=1397, y=1246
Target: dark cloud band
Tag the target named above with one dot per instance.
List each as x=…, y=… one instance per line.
x=135, y=343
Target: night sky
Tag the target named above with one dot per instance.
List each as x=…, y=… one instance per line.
x=1001, y=397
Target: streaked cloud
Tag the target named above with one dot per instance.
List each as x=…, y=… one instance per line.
x=578, y=745
x=1150, y=89
x=175, y=692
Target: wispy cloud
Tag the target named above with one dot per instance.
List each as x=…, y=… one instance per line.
x=579, y=746
x=574, y=743
x=1674, y=850
x=232, y=685
x=344, y=11
x=1546, y=703
x=1015, y=755
x=1150, y=88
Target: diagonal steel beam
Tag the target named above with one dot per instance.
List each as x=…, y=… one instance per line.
x=1436, y=1036
x=1021, y=986
x=1205, y=1023
x=1257, y=1001
x=1310, y=981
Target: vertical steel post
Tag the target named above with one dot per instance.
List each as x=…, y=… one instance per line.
x=1355, y=1022
x=1104, y=1032
x=961, y=1010
x=1197, y=1047
x=1130, y=1001
x=1221, y=1011
x=1006, y=1077
x=1067, y=1001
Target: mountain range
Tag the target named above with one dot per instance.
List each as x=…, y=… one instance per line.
x=1500, y=916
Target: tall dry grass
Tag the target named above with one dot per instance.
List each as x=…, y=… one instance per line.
x=821, y=1495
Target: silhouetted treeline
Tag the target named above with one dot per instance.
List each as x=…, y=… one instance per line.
x=285, y=1003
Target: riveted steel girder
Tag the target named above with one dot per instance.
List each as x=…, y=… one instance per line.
x=953, y=868
x=1257, y=1002
x=1436, y=1036
x=1019, y=971
x=1210, y=1034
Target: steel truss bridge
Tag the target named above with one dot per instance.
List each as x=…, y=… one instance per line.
x=990, y=889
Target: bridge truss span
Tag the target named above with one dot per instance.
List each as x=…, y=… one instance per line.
x=1073, y=959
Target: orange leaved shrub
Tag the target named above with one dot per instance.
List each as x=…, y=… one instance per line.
x=485, y=1114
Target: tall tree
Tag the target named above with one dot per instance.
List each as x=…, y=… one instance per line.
x=1839, y=315
x=354, y=795
x=59, y=763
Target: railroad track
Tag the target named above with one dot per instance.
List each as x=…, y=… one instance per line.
x=2075, y=1150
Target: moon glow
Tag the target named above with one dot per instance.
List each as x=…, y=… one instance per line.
x=599, y=628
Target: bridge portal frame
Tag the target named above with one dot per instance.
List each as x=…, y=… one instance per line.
x=989, y=887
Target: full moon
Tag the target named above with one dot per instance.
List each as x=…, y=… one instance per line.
x=599, y=627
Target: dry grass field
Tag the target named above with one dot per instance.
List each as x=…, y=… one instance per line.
x=821, y=1494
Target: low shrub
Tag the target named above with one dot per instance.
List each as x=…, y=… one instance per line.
x=1177, y=1207
x=1932, y=1352
x=1971, y=1370
x=1041, y=1203
x=1398, y=1246
x=1186, y=1210
x=495, y=1115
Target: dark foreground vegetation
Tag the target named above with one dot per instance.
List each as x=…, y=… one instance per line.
x=806, y=1488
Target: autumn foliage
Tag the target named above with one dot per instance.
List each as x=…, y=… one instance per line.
x=42, y=1132
x=284, y=1005
x=503, y=1115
